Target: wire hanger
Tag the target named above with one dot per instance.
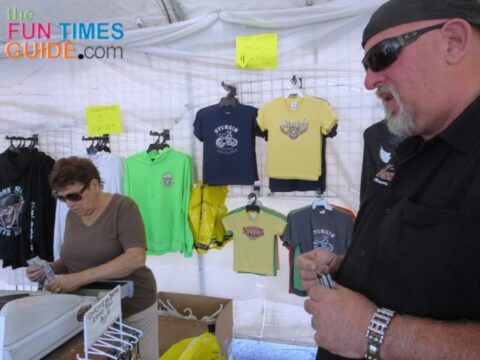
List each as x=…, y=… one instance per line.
x=297, y=88
x=230, y=99
x=157, y=145
x=321, y=202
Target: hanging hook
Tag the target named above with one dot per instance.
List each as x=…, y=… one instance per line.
x=156, y=133
x=232, y=90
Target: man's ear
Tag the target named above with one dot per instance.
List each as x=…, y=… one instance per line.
x=457, y=34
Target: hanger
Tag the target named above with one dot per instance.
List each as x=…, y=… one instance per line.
x=230, y=99
x=296, y=90
x=33, y=142
x=252, y=203
x=321, y=202
x=13, y=147
x=98, y=143
x=92, y=149
x=22, y=143
x=102, y=143
x=157, y=145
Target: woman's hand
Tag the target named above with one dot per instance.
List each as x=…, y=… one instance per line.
x=66, y=283
x=35, y=273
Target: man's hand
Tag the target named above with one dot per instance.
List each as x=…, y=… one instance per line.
x=313, y=262
x=65, y=283
x=340, y=318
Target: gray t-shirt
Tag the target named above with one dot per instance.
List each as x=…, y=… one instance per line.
x=118, y=228
x=308, y=229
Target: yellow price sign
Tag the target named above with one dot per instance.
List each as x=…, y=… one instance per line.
x=257, y=51
x=103, y=119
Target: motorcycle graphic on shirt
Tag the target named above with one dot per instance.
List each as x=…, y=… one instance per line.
x=321, y=240
x=11, y=205
x=226, y=141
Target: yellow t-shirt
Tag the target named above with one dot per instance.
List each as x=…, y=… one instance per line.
x=254, y=239
x=295, y=133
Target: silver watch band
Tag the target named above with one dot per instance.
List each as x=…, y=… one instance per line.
x=376, y=332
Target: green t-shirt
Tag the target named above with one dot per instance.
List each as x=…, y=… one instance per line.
x=159, y=182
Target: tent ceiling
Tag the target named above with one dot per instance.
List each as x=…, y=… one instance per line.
x=131, y=12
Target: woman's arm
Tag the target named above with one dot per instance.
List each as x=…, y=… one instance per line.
x=132, y=259
x=59, y=267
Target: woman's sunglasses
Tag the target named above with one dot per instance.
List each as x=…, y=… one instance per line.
x=384, y=54
x=73, y=197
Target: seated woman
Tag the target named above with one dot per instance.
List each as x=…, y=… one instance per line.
x=104, y=240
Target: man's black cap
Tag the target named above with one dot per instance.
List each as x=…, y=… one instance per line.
x=398, y=12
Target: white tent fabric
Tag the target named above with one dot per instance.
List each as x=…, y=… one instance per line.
x=168, y=72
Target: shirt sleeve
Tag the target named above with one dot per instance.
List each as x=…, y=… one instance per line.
x=262, y=119
x=187, y=184
x=197, y=126
x=130, y=226
x=329, y=119
x=287, y=233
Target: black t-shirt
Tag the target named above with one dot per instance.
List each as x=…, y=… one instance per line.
x=416, y=241
x=228, y=136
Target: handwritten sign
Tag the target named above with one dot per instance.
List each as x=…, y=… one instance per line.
x=101, y=316
x=257, y=51
x=103, y=119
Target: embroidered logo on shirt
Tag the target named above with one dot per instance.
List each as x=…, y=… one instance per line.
x=385, y=156
x=252, y=232
x=386, y=175
x=11, y=206
x=321, y=239
x=294, y=129
x=167, y=179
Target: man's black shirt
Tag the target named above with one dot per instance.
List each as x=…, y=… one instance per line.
x=416, y=242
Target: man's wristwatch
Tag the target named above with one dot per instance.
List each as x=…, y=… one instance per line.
x=376, y=332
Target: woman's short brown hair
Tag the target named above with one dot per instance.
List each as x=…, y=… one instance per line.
x=67, y=171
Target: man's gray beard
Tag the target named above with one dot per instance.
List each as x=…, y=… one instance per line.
x=401, y=123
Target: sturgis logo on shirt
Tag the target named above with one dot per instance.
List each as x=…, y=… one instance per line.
x=167, y=179
x=11, y=204
x=294, y=129
x=252, y=232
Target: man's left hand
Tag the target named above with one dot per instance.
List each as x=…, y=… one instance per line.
x=340, y=318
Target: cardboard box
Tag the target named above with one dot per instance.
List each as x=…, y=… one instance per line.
x=172, y=329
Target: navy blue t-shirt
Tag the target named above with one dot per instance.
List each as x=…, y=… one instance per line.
x=228, y=136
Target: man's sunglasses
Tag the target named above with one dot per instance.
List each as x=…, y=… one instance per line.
x=73, y=197
x=384, y=54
